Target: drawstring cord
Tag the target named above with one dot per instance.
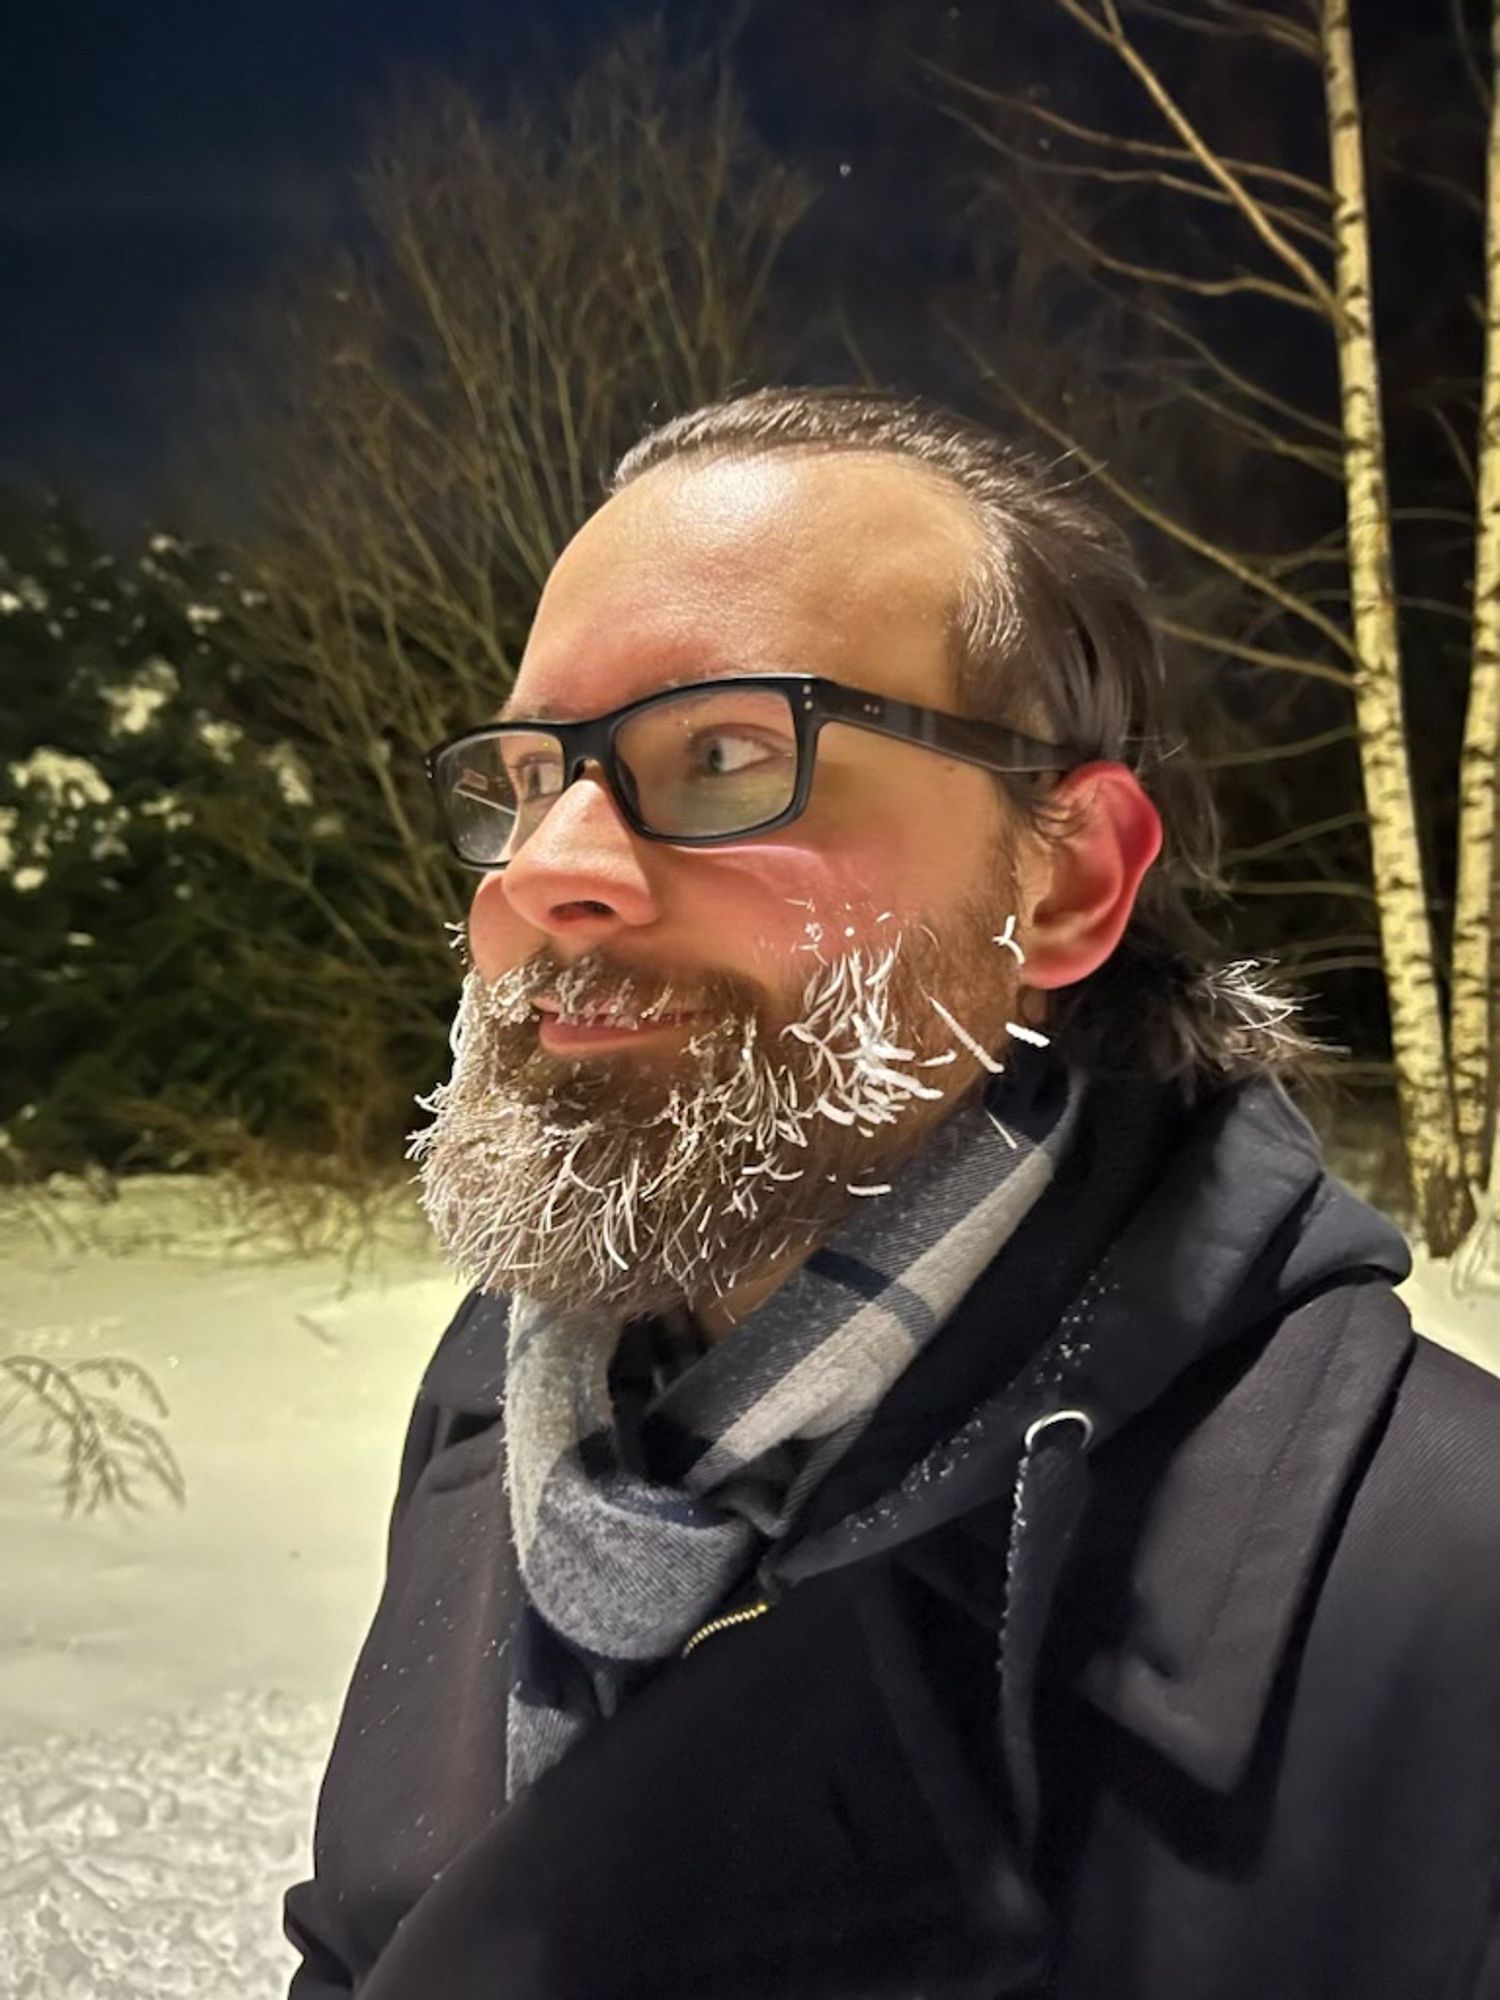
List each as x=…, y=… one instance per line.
x=1047, y=1504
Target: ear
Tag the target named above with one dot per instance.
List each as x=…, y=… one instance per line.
x=1085, y=881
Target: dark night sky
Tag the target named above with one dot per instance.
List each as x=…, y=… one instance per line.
x=158, y=158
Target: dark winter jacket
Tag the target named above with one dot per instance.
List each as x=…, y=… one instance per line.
x=1162, y=1663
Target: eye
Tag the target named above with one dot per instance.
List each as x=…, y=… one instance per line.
x=722, y=752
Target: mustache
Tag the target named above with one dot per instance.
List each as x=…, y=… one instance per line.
x=592, y=1184
x=600, y=983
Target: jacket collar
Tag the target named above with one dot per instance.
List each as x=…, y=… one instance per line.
x=1210, y=1505
x=1185, y=1584
x=1232, y=1353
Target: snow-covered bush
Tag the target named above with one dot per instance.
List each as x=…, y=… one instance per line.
x=228, y=936
x=158, y=840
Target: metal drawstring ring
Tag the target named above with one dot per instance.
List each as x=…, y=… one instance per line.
x=1040, y=1424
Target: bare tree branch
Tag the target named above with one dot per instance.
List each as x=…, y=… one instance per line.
x=1112, y=34
x=1459, y=191
x=1320, y=459
x=1234, y=24
x=1269, y=753
x=1253, y=391
x=1258, y=656
x=1241, y=284
x=1299, y=836
x=1319, y=968
x=1336, y=941
x=1147, y=510
x=435, y=420
x=1462, y=457
x=1468, y=55
x=1148, y=149
x=1157, y=177
x=1354, y=891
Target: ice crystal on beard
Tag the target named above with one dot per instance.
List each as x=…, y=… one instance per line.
x=501, y=1176
x=1007, y=939
x=976, y=1049
x=859, y=1081
x=1004, y=1130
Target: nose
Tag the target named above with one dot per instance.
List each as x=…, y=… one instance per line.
x=581, y=875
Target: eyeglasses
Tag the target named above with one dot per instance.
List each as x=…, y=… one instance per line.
x=696, y=765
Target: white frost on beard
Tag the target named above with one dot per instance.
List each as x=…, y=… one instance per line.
x=686, y=1200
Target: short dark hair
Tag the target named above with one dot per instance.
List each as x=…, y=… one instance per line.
x=1053, y=635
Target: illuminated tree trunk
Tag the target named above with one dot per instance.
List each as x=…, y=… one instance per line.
x=1476, y=1004
x=1444, y=1207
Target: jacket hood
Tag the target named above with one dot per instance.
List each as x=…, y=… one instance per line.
x=1236, y=1225
x=1243, y=1315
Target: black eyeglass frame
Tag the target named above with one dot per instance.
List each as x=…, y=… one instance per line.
x=813, y=701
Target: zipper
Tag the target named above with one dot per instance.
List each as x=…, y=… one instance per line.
x=740, y=1617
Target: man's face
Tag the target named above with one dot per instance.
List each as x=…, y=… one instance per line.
x=635, y=993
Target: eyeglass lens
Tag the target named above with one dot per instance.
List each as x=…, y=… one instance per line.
x=708, y=761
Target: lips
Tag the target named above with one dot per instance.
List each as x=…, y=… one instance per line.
x=560, y=1038
x=608, y=1014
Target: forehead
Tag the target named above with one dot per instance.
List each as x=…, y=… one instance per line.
x=842, y=564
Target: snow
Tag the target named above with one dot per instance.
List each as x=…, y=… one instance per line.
x=168, y=808
x=220, y=738
x=170, y=1679
x=290, y=774
x=29, y=595
x=151, y=1859
x=69, y=781
x=1466, y=1321
x=134, y=706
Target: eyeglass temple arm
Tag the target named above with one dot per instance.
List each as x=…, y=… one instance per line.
x=971, y=740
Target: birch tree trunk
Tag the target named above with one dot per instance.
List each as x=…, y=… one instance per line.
x=1444, y=1207
x=1476, y=1062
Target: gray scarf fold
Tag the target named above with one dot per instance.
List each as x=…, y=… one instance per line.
x=620, y=1569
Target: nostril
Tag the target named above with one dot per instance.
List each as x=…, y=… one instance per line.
x=585, y=906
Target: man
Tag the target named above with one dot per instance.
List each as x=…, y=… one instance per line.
x=932, y=1492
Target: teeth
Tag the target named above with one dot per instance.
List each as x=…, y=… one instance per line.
x=615, y=1015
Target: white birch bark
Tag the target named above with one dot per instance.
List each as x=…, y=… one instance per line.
x=1443, y=1205
x=1474, y=1016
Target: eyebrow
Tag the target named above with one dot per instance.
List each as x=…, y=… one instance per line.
x=510, y=713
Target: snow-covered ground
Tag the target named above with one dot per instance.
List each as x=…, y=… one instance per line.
x=170, y=1679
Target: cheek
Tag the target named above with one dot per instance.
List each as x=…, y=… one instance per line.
x=498, y=939
x=777, y=897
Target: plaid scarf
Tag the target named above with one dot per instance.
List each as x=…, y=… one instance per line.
x=629, y=1534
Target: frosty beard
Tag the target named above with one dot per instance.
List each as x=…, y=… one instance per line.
x=618, y=1183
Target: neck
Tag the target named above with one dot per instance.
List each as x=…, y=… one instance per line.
x=721, y=1312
